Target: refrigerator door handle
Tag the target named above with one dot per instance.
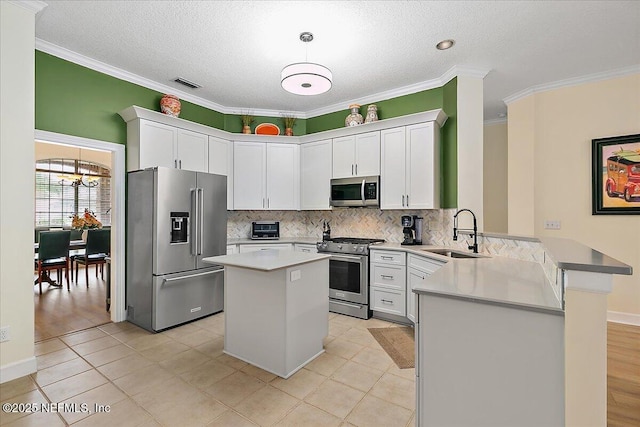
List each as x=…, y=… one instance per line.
x=194, y=221
x=206, y=273
x=200, y=220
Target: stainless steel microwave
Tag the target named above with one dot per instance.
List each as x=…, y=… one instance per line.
x=355, y=192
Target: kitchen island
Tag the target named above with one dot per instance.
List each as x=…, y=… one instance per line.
x=276, y=307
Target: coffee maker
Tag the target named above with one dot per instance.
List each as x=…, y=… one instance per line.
x=412, y=229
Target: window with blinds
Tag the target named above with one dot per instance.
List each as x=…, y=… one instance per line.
x=57, y=200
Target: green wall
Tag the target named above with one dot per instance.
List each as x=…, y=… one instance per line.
x=75, y=100
x=394, y=107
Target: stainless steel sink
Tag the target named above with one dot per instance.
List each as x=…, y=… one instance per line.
x=453, y=253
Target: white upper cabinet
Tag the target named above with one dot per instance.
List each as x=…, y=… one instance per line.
x=192, y=151
x=315, y=175
x=356, y=155
x=410, y=167
x=249, y=175
x=283, y=177
x=221, y=163
x=153, y=144
x=265, y=176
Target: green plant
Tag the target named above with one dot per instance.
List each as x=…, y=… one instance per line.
x=247, y=119
x=289, y=121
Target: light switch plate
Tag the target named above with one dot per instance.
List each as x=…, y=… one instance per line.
x=296, y=275
x=552, y=224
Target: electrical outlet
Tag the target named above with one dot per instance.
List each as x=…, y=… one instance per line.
x=4, y=334
x=552, y=224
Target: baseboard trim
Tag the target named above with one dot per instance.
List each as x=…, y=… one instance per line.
x=620, y=317
x=18, y=369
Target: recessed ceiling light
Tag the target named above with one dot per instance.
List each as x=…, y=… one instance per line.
x=445, y=44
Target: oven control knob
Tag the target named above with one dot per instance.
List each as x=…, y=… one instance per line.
x=339, y=246
x=355, y=248
x=361, y=249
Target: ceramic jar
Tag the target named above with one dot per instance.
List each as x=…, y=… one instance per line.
x=170, y=105
x=372, y=114
x=355, y=118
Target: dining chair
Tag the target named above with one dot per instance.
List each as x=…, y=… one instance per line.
x=95, y=253
x=53, y=254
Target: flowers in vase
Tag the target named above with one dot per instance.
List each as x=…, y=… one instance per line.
x=87, y=220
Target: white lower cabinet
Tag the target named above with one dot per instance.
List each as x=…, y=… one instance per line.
x=387, y=282
x=305, y=247
x=388, y=301
x=264, y=247
x=418, y=269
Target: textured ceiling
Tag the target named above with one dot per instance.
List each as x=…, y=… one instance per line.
x=237, y=49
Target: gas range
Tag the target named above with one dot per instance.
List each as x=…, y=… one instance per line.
x=347, y=245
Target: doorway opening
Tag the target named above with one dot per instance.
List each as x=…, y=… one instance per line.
x=87, y=306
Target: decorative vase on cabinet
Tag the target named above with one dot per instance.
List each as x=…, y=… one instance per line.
x=170, y=105
x=355, y=118
x=372, y=114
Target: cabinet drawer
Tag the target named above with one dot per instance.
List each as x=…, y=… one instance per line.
x=388, y=276
x=388, y=301
x=424, y=264
x=307, y=248
x=265, y=247
x=232, y=249
x=388, y=257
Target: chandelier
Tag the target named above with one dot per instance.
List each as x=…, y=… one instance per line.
x=76, y=180
x=306, y=78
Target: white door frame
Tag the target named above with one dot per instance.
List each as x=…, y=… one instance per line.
x=118, y=175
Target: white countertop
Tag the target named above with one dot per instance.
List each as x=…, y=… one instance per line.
x=267, y=260
x=492, y=279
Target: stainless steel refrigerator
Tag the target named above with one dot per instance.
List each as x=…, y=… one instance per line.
x=174, y=219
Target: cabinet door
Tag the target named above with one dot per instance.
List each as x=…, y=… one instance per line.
x=368, y=154
x=344, y=151
x=414, y=278
x=192, y=151
x=315, y=175
x=283, y=180
x=393, y=169
x=249, y=162
x=157, y=145
x=221, y=163
x=423, y=160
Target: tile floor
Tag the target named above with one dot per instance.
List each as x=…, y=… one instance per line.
x=181, y=377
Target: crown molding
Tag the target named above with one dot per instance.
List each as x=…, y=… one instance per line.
x=76, y=58
x=121, y=74
x=575, y=81
x=450, y=74
x=34, y=6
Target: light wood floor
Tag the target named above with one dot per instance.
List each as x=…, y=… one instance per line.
x=623, y=375
x=58, y=311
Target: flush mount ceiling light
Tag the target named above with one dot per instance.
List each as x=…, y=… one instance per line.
x=306, y=78
x=445, y=44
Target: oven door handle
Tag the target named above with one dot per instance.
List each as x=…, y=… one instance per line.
x=354, y=258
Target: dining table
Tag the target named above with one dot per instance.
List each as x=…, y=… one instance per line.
x=76, y=247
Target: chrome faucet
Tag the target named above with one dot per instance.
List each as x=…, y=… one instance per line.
x=473, y=247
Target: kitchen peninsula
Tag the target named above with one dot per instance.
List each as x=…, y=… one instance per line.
x=276, y=305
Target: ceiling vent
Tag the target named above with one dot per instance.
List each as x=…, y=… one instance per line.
x=187, y=83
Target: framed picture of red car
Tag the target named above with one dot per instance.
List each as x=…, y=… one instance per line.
x=616, y=175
